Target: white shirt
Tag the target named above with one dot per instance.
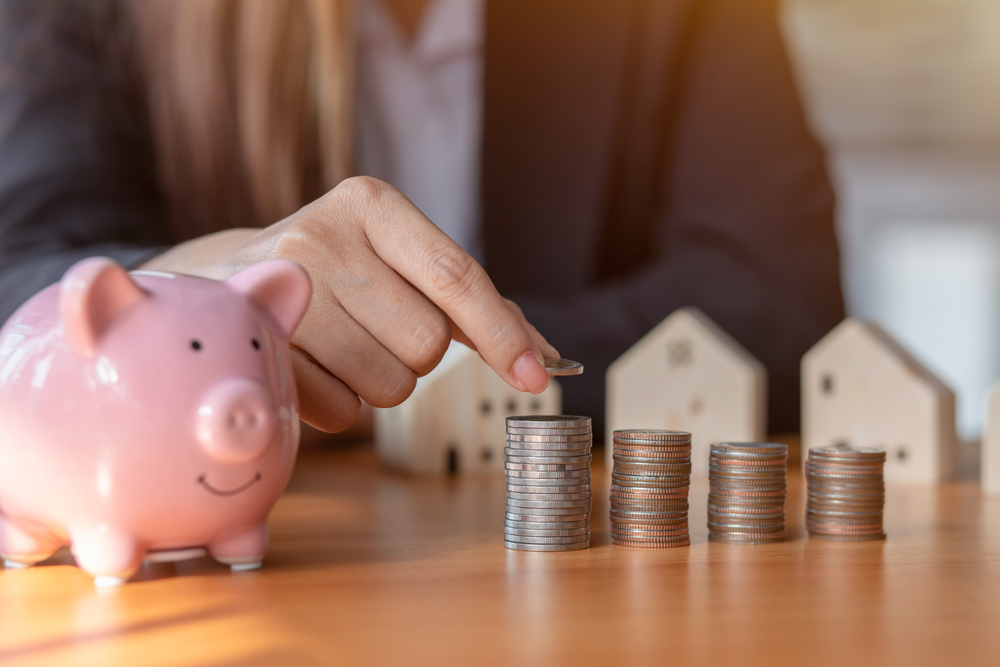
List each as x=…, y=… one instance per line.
x=418, y=110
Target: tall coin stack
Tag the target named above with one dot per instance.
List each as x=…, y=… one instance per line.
x=846, y=493
x=548, y=483
x=746, y=495
x=649, y=488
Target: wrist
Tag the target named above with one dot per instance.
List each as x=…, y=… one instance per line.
x=209, y=256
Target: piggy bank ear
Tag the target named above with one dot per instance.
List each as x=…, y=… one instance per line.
x=280, y=287
x=93, y=293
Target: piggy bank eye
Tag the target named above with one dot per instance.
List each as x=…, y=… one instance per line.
x=196, y=345
x=255, y=343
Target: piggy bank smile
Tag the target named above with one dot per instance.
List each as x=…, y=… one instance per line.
x=228, y=492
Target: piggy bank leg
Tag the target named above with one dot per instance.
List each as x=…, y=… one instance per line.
x=110, y=556
x=241, y=549
x=19, y=548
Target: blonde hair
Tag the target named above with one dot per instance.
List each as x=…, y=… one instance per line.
x=250, y=105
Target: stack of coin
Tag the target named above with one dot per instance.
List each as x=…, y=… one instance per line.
x=548, y=483
x=846, y=493
x=746, y=496
x=649, y=488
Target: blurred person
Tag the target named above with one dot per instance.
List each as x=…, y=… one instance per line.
x=607, y=161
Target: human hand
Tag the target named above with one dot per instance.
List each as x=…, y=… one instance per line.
x=390, y=291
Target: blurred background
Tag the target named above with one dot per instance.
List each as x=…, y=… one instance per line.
x=905, y=94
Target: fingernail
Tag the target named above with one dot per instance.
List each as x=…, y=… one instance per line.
x=530, y=373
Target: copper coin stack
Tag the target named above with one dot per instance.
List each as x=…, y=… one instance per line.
x=746, y=496
x=548, y=483
x=649, y=488
x=846, y=493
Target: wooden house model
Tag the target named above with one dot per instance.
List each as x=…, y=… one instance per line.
x=860, y=387
x=455, y=420
x=688, y=374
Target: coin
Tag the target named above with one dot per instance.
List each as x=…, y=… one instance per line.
x=546, y=460
x=728, y=448
x=728, y=539
x=546, y=525
x=525, y=451
x=550, y=496
x=547, y=439
x=580, y=430
x=849, y=538
x=638, y=532
x=654, y=434
x=634, y=543
x=546, y=547
x=665, y=444
x=840, y=452
x=555, y=366
x=554, y=483
x=548, y=421
x=650, y=523
x=548, y=467
x=651, y=517
x=540, y=516
x=623, y=495
x=558, y=474
x=526, y=539
x=548, y=490
x=569, y=506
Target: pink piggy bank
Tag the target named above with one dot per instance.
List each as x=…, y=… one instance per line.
x=148, y=415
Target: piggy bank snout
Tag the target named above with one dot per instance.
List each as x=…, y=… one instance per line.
x=236, y=421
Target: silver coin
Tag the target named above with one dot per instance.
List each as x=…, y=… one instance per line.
x=539, y=516
x=748, y=447
x=553, y=448
x=650, y=434
x=583, y=495
x=525, y=539
x=514, y=457
x=555, y=366
x=729, y=539
x=543, y=483
x=678, y=445
x=548, y=421
x=580, y=430
x=546, y=547
x=849, y=538
x=846, y=451
x=776, y=527
x=583, y=504
x=549, y=490
x=648, y=517
x=546, y=467
x=657, y=482
x=546, y=525
x=650, y=523
x=546, y=439
x=557, y=474
x=526, y=532
x=539, y=454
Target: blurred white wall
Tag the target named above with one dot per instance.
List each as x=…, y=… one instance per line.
x=906, y=96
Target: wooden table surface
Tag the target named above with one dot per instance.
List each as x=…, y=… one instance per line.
x=369, y=567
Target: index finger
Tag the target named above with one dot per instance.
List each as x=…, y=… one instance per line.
x=455, y=282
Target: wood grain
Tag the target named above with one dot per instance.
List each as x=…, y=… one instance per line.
x=372, y=568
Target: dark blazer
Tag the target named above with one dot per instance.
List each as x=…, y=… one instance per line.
x=638, y=156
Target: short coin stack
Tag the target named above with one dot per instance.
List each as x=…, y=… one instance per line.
x=548, y=483
x=746, y=496
x=846, y=493
x=649, y=488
